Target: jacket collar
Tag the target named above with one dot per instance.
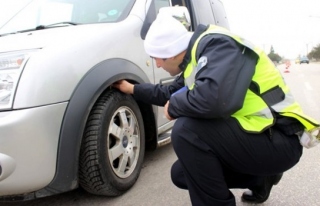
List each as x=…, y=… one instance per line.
x=187, y=58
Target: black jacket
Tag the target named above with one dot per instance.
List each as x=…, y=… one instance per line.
x=220, y=86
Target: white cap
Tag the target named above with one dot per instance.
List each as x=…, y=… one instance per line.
x=166, y=37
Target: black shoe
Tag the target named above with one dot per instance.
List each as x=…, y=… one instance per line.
x=261, y=194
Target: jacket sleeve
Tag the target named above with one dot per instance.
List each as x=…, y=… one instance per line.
x=220, y=84
x=157, y=94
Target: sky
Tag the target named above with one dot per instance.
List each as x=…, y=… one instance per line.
x=292, y=27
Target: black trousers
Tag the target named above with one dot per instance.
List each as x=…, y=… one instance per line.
x=216, y=155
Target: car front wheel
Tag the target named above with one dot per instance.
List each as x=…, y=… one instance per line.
x=113, y=145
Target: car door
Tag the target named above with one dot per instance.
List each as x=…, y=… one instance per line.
x=160, y=75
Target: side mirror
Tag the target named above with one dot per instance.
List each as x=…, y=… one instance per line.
x=180, y=13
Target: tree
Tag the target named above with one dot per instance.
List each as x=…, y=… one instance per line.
x=315, y=53
x=274, y=56
x=271, y=50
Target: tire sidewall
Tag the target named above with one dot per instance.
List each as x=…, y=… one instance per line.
x=111, y=105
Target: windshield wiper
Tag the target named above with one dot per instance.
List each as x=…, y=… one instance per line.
x=63, y=23
x=39, y=27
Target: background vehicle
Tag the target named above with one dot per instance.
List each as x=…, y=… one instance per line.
x=297, y=61
x=61, y=124
x=304, y=60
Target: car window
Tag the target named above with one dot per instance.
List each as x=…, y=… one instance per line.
x=161, y=3
x=46, y=12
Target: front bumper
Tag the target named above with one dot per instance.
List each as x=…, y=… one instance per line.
x=28, y=148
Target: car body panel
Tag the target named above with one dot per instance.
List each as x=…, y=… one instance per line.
x=30, y=137
x=209, y=12
x=80, y=43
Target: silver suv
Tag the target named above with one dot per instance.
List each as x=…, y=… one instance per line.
x=61, y=124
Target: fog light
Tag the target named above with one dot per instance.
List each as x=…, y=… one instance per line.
x=7, y=166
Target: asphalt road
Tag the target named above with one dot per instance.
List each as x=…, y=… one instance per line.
x=299, y=186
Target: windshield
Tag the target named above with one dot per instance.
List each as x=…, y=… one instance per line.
x=42, y=13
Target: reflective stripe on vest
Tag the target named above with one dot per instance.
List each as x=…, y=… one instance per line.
x=255, y=115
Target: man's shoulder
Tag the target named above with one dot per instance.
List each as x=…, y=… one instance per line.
x=211, y=41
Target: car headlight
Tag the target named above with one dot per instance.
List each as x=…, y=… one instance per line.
x=11, y=65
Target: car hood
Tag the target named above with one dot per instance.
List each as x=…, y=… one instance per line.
x=47, y=37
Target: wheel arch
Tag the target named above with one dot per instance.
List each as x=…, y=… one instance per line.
x=93, y=84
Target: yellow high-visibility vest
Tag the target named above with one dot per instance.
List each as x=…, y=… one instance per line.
x=255, y=116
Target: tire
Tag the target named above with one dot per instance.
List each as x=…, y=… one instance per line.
x=113, y=145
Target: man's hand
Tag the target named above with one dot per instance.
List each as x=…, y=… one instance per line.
x=166, y=111
x=124, y=86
